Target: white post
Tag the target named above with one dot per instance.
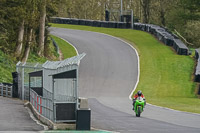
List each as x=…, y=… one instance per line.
x=11, y=89
x=121, y=12
x=1, y=89
x=6, y=90
x=131, y=18
x=22, y=83
x=23, y=80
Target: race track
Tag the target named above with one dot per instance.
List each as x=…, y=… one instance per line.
x=107, y=76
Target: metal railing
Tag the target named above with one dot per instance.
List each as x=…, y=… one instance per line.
x=44, y=105
x=5, y=90
x=55, y=45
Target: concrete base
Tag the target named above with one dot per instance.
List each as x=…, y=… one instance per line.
x=51, y=125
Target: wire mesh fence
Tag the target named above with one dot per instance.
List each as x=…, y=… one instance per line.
x=23, y=70
x=51, y=87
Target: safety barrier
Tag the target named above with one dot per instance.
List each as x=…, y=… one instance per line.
x=160, y=33
x=6, y=90
x=55, y=45
x=43, y=105
x=95, y=23
x=164, y=36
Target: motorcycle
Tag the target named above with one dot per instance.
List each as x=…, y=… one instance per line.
x=139, y=106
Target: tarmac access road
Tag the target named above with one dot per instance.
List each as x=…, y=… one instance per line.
x=107, y=76
x=14, y=117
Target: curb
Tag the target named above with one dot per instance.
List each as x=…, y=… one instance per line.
x=49, y=123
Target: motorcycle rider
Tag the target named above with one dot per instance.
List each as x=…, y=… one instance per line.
x=138, y=94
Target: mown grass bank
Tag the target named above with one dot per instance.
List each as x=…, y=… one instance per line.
x=66, y=49
x=165, y=77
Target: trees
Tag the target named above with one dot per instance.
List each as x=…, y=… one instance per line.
x=42, y=28
x=23, y=22
x=19, y=28
x=145, y=4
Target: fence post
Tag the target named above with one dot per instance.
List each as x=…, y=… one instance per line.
x=6, y=90
x=40, y=105
x=1, y=89
x=22, y=83
x=11, y=89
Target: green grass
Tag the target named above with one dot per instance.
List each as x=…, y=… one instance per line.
x=66, y=48
x=34, y=58
x=165, y=77
x=7, y=65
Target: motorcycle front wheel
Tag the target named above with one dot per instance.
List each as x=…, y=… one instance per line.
x=139, y=112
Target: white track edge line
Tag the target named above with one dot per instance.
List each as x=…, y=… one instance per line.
x=69, y=44
x=138, y=72
x=138, y=76
x=138, y=62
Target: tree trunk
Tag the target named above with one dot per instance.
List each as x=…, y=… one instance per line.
x=42, y=28
x=28, y=46
x=162, y=13
x=146, y=10
x=20, y=40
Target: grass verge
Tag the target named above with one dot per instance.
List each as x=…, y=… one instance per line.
x=165, y=77
x=67, y=49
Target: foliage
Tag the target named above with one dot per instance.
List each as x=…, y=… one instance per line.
x=7, y=65
x=13, y=13
x=192, y=32
x=173, y=14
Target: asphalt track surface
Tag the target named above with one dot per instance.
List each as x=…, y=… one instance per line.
x=107, y=76
x=14, y=117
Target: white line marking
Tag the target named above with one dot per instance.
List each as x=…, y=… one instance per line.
x=138, y=71
x=172, y=109
x=138, y=76
x=122, y=41
x=138, y=62
x=69, y=43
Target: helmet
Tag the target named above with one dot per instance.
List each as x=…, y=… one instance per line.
x=139, y=93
